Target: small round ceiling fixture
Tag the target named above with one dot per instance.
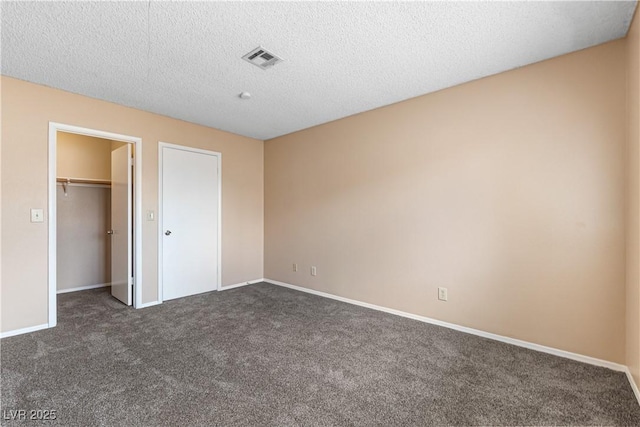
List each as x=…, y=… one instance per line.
x=244, y=95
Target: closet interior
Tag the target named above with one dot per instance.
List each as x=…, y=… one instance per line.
x=83, y=209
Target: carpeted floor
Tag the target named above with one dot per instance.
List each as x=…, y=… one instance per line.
x=262, y=355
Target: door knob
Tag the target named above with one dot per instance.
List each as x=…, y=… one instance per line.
x=109, y=231
x=167, y=233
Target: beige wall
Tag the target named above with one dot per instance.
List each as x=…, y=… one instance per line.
x=80, y=156
x=83, y=246
x=633, y=198
x=509, y=191
x=26, y=111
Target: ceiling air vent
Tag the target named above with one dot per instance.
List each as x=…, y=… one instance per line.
x=262, y=58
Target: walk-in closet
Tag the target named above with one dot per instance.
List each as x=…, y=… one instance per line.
x=84, y=211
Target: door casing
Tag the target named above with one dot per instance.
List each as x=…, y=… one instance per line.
x=218, y=156
x=54, y=128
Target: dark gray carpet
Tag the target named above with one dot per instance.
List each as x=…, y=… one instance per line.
x=265, y=355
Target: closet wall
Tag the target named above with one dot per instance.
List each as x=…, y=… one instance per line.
x=83, y=213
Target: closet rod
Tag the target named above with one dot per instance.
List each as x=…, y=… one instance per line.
x=83, y=181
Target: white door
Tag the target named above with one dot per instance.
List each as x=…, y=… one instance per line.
x=121, y=224
x=189, y=222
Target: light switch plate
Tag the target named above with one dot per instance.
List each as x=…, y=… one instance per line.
x=151, y=215
x=37, y=215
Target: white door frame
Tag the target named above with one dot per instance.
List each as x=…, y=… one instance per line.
x=218, y=156
x=137, y=238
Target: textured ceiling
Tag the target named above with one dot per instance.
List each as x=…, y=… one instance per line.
x=340, y=58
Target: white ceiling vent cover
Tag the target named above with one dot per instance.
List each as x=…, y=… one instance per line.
x=262, y=58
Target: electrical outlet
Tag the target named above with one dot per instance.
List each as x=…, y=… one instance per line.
x=442, y=294
x=295, y=267
x=314, y=272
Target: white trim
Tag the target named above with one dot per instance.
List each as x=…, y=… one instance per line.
x=24, y=330
x=520, y=343
x=241, y=284
x=52, y=255
x=159, y=226
x=84, y=288
x=634, y=386
x=219, y=219
x=218, y=156
x=137, y=223
x=149, y=304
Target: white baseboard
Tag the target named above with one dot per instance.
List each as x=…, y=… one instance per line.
x=238, y=285
x=24, y=330
x=83, y=288
x=520, y=343
x=634, y=386
x=149, y=304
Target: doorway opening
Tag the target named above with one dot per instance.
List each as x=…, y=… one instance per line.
x=94, y=214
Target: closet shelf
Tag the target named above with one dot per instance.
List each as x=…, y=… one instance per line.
x=82, y=181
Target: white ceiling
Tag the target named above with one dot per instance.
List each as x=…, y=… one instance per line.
x=183, y=59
